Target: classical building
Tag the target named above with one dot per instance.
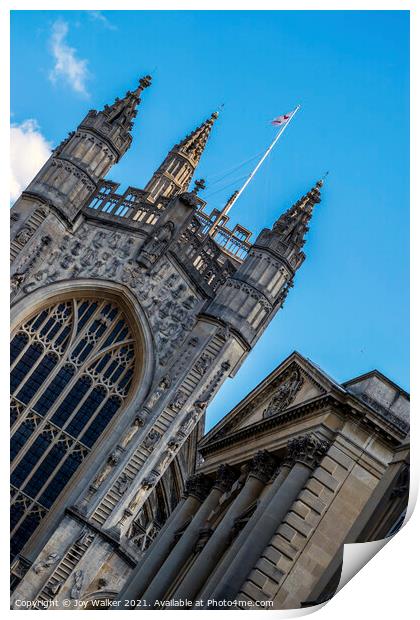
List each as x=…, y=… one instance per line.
x=298, y=468
x=129, y=310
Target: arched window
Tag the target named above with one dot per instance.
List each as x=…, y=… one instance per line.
x=72, y=366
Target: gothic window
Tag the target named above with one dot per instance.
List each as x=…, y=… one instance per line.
x=72, y=367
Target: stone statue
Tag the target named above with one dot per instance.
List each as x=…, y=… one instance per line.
x=156, y=245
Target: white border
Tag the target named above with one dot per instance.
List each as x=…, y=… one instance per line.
x=386, y=587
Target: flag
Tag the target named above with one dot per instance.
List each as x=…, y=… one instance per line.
x=280, y=120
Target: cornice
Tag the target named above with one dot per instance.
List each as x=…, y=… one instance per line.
x=393, y=435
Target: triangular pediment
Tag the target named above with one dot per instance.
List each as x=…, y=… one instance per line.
x=296, y=381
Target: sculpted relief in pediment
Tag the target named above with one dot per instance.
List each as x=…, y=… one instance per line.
x=286, y=392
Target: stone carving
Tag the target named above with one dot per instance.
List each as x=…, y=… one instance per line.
x=110, y=254
x=225, y=477
x=16, y=281
x=54, y=588
x=122, y=483
x=151, y=439
x=50, y=560
x=263, y=466
x=138, y=422
x=286, y=393
x=203, y=364
x=307, y=449
x=77, y=586
x=223, y=333
x=24, y=267
x=189, y=199
x=24, y=235
x=163, y=385
x=179, y=400
x=150, y=481
x=198, y=486
x=258, y=400
x=84, y=538
x=193, y=416
x=156, y=245
x=111, y=462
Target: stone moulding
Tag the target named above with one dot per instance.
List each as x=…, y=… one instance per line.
x=294, y=413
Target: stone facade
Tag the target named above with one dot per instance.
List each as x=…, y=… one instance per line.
x=313, y=465
x=128, y=313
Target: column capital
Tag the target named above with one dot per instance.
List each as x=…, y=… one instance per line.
x=263, y=465
x=198, y=486
x=225, y=477
x=307, y=449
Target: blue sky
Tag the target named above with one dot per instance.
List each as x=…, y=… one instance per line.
x=349, y=309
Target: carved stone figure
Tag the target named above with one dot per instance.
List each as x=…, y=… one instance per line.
x=151, y=439
x=150, y=481
x=137, y=424
x=50, y=560
x=163, y=385
x=123, y=483
x=179, y=400
x=112, y=460
x=84, y=538
x=193, y=415
x=77, y=586
x=157, y=243
x=203, y=364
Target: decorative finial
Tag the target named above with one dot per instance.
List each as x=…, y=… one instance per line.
x=320, y=183
x=144, y=82
x=199, y=184
x=215, y=114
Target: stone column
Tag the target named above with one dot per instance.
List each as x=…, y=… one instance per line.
x=305, y=452
x=196, y=490
x=240, y=539
x=173, y=564
x=262, y=469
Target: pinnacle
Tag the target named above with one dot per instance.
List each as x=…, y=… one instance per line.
x=144, y=82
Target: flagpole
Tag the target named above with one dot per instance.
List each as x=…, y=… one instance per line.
x=234, y=198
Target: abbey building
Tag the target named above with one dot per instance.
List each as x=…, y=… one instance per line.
x=129, y=311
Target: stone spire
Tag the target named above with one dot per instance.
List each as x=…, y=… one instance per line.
x=86, y=156
x=194, y=144
x=292, y=226
x=175, y=173
x=123, y=111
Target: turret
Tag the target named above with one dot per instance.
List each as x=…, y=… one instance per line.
x=175, y=173
x=259, y=287
x=72, y=172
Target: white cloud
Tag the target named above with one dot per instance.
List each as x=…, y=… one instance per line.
x=98, y=16
x=29, y=150
x=67, y=66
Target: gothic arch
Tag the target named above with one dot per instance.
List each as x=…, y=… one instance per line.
x=80, y=359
